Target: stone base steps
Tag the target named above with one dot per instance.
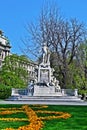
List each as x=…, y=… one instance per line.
x=45, y=98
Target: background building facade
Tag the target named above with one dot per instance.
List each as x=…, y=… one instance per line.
x=5, y=50
x=4, y=47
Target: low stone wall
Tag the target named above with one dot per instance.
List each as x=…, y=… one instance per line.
x=70, y=92
x=45, y=91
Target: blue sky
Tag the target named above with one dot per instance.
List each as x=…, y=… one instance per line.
x=15, y=14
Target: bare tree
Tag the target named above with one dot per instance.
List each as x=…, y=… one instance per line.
x=62, y=38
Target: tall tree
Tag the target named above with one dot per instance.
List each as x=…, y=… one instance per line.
x=82, y=61
x=62, y=37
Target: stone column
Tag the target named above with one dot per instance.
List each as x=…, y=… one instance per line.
x=76, y=92
x=13, y=92
x=63, y=92
x=39, y=74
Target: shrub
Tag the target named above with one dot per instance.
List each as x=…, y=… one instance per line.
x=5, y=91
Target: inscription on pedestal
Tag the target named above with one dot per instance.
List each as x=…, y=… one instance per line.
x=44, y=75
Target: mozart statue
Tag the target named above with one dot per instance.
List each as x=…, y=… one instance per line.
x=46, y=54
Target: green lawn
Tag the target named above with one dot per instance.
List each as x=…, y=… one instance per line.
x=77, y=121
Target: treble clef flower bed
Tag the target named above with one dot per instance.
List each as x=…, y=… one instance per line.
x=33, y=120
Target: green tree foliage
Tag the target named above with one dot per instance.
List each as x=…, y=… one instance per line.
x=5, y=91
x=82, y=64
x=82, y=57
x=13, y=72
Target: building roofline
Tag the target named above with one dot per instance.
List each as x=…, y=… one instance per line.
x=7, y=45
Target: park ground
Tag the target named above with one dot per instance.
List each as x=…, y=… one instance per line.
x=75, y=117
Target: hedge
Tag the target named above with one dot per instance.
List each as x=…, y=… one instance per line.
x=5, y=91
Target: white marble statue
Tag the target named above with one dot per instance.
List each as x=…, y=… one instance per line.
x=46, y=54
x=55, y=82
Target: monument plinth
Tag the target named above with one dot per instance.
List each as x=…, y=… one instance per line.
x=44, y=73
x=46, y=85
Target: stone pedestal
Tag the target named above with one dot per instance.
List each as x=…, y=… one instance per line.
x=46, y=91
x=45, y=86
x=44, y=73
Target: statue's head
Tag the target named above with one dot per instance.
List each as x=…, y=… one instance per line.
x=44, y=44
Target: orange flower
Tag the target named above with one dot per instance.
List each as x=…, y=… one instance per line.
x=35, y=122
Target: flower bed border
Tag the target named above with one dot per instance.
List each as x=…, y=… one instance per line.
x=35, y=122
